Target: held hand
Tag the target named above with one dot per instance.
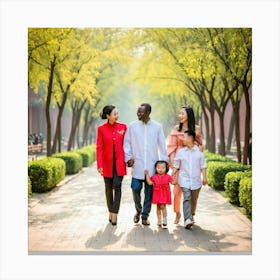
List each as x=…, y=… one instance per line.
x=100, y=171
x=204, y=182
x=130, y=163
x=146, y=172
x=174, y=171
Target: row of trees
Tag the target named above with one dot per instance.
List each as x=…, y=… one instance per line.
x=86, y=68
x=71, y=65
x=209, y=67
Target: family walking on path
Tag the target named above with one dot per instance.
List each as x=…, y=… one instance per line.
x=142, y=147
x=131, y=158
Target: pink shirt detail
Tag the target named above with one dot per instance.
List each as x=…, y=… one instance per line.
x=174, y=142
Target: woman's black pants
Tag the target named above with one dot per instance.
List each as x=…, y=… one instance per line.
x=113, y=195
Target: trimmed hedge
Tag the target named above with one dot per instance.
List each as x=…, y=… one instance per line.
x=45, y=173
x=231, y=186
x=216, y=172
x=29, y=188
x=216, y=157
x=245, y=194
x=73, y=161
x=87, y=154
x=59, y=170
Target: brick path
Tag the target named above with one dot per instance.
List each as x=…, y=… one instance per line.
x=73, y=218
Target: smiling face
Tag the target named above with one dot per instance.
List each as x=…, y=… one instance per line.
x=143, y=114
x=114, y=116
x=182, y=116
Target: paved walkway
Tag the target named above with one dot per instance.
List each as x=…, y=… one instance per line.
x=72, y=218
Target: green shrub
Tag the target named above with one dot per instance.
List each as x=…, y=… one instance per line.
x=87, y=154
x=59, y=169
x=215, y=157
x=231, y=186
x=216, y=172
x=45, y=173
x=29, y=188
x=73, y=161
x=245, y=194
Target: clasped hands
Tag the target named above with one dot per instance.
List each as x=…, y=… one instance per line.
x=130, y=162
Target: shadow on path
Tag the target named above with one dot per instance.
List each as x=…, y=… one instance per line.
x=104, y=238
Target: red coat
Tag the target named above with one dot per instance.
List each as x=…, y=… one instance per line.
x=107, y=136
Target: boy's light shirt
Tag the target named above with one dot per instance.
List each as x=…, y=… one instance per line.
x=145, y=143
x=189, y=162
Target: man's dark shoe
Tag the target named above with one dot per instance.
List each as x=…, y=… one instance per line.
x=136, y=218
x=145, y=222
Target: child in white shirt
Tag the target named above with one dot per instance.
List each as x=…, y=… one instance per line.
x=190, y=163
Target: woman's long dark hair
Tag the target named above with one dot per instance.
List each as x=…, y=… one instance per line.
x=107, y=110
x=191, y=118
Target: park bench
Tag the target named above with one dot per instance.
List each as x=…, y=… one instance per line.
x=35, y=148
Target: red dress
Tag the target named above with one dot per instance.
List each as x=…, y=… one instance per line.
x=162, y=193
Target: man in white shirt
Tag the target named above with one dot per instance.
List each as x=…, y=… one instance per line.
x=144, y=144
x=190, y=162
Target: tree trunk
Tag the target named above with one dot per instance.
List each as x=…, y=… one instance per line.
x=230, y=133
x=75, y=122
x=86, y=125
x=78, y=135
x=247, y=123
x=86, y=140
x=47, y=108
x=57, y=131
x=72, y=133
x=59, y=139
x=236, y=107
x=57, y=136
x=222, y=148
x=212, y=146
x=197, y=117
x=207, y=128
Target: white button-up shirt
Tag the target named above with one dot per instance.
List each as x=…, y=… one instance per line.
x=189, y=162
x=145, y=143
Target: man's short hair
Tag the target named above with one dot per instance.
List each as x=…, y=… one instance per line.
x=147, y=106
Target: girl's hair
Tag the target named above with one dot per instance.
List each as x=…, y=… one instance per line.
x=107, y=110
x=161, y=162
x=191, y=118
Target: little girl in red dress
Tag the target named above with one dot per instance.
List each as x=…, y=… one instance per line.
x=161, y=192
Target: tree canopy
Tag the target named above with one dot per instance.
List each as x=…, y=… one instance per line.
x=168, y=67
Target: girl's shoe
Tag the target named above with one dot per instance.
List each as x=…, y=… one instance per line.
x=177, y=219
x=164, y=222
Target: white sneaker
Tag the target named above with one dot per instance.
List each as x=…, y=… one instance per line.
x=188, y=223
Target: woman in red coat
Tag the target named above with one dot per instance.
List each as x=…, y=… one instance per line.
x=110, y=158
